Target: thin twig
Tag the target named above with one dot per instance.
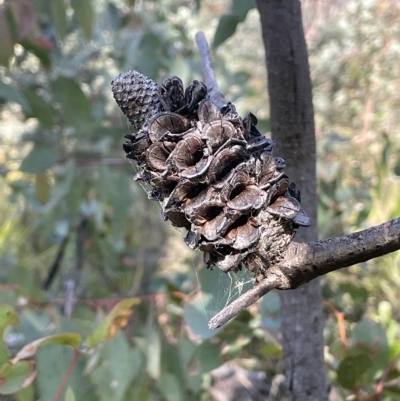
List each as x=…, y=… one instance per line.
x=241, y=303
x=55, y=268
x=209, y=76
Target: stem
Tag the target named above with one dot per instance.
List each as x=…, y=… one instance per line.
x=243, y=302
x=67, y=374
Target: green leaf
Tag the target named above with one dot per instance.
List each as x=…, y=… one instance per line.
x=351, y=368
x=42, y=187
x=83, y=11
x=71, y=339
x=52, y=363
x=76, y=107
x=385, y=311
x=240, y=8
x=170, y=388
x=270, y=310
x=14, y=378
x=370, y=338
x=59, y=16
x=116, y=320
x=153, y=367
x=39, y=51
x=118, y=366
x=8, y=316
x=397, y=167
x=197, y=319
x=39, y=159
x=26, y=394
x=7, y=42
x=10, y=94
x=271, y=349
x=69, y=394
x=225, y=29
x=208, y=356
x=39, y=108
x=394, y=350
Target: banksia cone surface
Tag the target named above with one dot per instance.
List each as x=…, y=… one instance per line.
x=212, y=171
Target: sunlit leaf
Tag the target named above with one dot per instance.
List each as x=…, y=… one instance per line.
x=153, y=367
x=116, y=320
x=8, y=316
x=84, y=14
x=39, y=159
x=385, y=311
x=10, y=94
x=69, y=394
x=26, y=394
x=13, y=378
x=42, y=187
x=271, y=349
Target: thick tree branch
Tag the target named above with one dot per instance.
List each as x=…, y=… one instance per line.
x=306, y=261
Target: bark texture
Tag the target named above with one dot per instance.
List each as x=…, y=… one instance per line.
x=292, y=127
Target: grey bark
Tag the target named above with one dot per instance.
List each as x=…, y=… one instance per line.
x=292, y=127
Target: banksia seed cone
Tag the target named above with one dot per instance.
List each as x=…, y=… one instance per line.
x=212, y=171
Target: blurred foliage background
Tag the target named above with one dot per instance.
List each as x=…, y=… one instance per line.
x=77, y=235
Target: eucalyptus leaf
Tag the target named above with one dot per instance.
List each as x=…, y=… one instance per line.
x=241, y=8
x=171, y=388
x=76, y=108
x=7, y=45
x=370, y=338
x=84, y=13
x=116, y=320
x=14, y=378
x=8, y=316
x=226, y=28
x=69, y=394
x=10, y=94
x=119, y=365
x=351, y=368
x=40, y=109
x=71, y=339
x=39, y=159
x=59, y=17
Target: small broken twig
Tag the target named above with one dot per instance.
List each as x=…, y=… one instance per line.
x=209, y=76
